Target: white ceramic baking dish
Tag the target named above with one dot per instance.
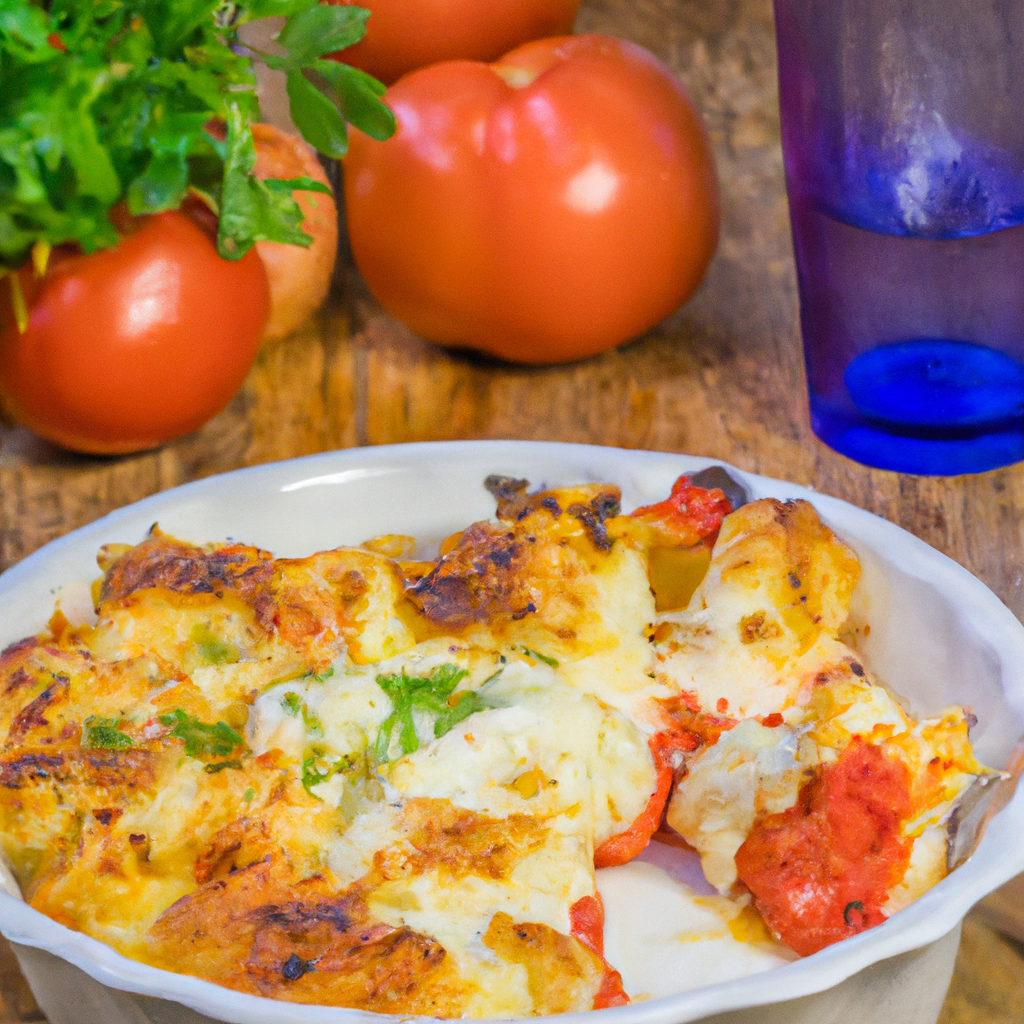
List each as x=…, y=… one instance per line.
x=938, y=636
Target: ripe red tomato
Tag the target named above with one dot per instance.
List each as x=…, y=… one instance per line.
x=133, y=345
x=540, y=209
x=403, y=35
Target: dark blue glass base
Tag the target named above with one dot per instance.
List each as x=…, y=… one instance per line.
x=936, y=387
x=865, y=442
x=932, y=406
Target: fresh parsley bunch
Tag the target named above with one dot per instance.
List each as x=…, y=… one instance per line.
x=108, y=101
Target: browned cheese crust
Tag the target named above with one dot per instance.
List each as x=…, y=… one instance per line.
x=185, y=850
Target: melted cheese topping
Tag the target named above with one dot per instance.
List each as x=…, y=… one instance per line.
x=760, y=638
x=544, y=749
x=363, y=782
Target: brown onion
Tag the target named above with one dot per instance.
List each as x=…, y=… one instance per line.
x=299, y=277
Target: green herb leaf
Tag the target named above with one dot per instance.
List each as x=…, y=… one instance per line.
x=218, y=766
x=318, y=30
x=249, y=795
x=466, y=703
x=290, y=185
x=162, y=187
x=314, y=727
x=540, y=657
x=316, y=116
x=294, y=705
x=313, y=776
x=250, y=212
x=359, y=95
x=430, y=695
x=24, y=31
x=316, y=770
x=175, y=23
x=202, y=741
x=103, y=733
x=115, y=112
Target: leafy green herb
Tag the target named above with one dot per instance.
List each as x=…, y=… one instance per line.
x=314, y=727
x=218, y=766
x=540, y=657
x=250, y=210
x=294, y=705
x=249, y=795
x=201, y=740
x=299, y=185
x=102, y=733
x=431, y=696
x=320, y=677
x=313, y=776
x=316, y=770
x=114, y=101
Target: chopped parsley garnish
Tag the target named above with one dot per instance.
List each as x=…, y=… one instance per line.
x=313, y=724
x=430, y=695
x=540, y=657
x=103, y=734
x=218, y=766
x=315, y=770
x=294, y=705
x=202, y=741
x=319, y=677
x=249, y=795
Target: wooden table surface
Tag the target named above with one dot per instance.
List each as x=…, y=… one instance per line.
x=722, y=377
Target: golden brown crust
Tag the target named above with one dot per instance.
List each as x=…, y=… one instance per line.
x=783, y=548
x=121, y=821
x=256, y=930
x=458, y=842
x=163, y=562
x=315, y=601
x=533, y=565
x=559, y=968
x=481, y=579
x=109, y=770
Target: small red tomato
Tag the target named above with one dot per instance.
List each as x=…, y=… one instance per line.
x=132, y=345
x=539, y=209
x=403, y=35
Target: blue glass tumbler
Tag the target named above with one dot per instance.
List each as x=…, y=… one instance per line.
x=903, y=139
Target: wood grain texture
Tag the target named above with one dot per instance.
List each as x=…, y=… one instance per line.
x=988, y=984
x=17, y=1004
x=722, y=377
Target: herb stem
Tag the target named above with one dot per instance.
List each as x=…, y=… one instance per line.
x=18, y=303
